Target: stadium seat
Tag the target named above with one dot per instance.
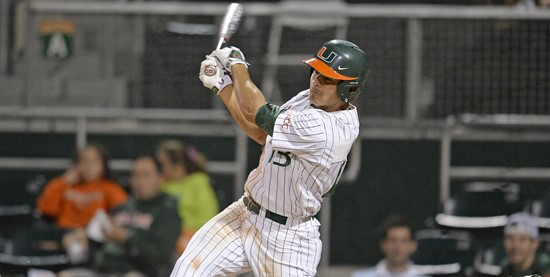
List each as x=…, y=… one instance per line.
x=541, y=211
x=34, y=248
x=488, y=259
x=481, y=205
x=544, y=243
x=16, y=205
x=443, y=253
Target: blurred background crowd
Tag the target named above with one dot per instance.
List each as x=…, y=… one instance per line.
x=112, y=154
x=90, y=222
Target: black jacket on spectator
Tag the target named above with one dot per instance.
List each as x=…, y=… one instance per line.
x=154, y=227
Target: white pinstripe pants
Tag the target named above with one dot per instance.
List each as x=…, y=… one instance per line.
x=237, y=241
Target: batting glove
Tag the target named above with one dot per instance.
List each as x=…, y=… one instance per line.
x=229, y=56
x=213, y=76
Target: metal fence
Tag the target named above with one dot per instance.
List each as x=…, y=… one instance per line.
x=427, y=62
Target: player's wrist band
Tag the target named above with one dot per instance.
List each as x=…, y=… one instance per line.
x=232, y=62
x=224, y=82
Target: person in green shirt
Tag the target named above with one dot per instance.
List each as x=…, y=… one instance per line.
x=139, y=237
x=185, y=178
x=521, y=242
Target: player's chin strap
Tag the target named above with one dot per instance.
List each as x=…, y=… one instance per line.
x=266, y=117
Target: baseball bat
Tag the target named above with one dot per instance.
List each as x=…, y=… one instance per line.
x=230, y=23
x=229, y=26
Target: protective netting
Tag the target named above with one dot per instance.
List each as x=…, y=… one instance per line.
x=468, y=66
x=487, y=66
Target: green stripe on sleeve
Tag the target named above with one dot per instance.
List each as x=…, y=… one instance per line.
x=266, y=116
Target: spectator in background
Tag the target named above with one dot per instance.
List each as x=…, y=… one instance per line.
x=397, y=244
x=73, y=198
x=142, y=233
x=184, y=172
x=521, y=241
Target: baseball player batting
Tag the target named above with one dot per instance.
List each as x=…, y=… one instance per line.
x=271, y=230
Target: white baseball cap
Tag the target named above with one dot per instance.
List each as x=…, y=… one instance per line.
x=522, y=223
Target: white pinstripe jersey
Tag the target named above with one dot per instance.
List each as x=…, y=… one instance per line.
x=304, y=158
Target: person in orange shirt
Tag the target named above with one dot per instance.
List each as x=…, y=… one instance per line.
x=73, y=198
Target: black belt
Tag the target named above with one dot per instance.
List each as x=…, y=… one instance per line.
x=255, y=208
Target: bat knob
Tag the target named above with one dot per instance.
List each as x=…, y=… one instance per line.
x=210, y=70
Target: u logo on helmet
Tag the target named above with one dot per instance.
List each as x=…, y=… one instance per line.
x=329, y=59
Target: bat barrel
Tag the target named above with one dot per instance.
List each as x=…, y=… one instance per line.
x=230, y=23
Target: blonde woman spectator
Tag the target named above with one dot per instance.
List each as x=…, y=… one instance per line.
x=185, y=178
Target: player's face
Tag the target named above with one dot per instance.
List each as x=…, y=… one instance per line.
x=145, y=179
x=90, y=165
x=398, y=246
x=323, y=93
x=520, y=248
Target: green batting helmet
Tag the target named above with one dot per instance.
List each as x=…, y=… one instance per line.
x=342, y=60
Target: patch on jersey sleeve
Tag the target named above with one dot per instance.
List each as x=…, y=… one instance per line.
x=266, y=116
